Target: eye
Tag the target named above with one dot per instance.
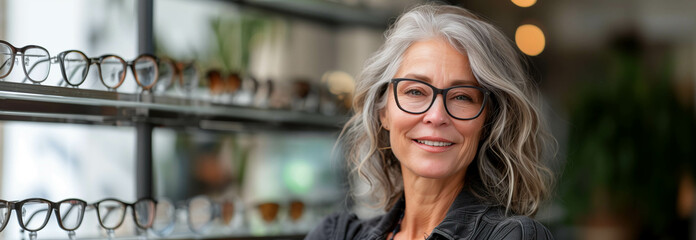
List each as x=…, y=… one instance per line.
x=462, y=97
x=414, y=92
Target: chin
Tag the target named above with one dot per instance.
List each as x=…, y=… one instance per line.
x=435, y=170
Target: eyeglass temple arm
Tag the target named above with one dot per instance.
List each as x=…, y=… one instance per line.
x=68, y=211
x=4, y=63
x=109, y=210
x=34, y=214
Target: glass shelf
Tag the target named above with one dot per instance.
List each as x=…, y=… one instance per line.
x=27, y=102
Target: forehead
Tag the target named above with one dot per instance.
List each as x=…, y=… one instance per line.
x=436, y=61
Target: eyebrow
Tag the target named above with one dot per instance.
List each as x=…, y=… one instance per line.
x=453, y=82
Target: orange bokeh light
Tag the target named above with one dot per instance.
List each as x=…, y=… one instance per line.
x=530, y=39
x=524, y=3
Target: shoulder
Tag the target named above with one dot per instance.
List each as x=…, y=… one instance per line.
x=520, y=228
x=340, y=226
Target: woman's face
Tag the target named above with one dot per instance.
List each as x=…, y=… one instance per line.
x=433, y=144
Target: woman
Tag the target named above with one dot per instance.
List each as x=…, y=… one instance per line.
x=447, y=133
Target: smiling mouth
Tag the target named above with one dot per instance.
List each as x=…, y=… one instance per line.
x=434, y=143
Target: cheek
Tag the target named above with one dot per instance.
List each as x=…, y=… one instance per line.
x=395, y=120
x=472, y=138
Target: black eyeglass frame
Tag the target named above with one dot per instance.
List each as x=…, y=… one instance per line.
x=14, y=50
x=125, y=206
x=53, y=207
x=443, y=92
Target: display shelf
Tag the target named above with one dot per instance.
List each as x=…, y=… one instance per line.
x=323, y=11
x=27, y=102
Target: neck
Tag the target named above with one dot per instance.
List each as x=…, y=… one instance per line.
x=427, y=202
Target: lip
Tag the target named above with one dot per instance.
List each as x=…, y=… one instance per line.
x=433, y=149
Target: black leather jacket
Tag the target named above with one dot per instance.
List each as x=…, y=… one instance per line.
x=467, y=218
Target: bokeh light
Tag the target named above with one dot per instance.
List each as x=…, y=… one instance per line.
x=530, y=39
x=524, y=3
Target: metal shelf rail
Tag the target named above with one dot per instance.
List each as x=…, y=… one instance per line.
x=26, y=102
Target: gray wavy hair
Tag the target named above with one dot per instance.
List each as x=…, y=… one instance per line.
x=508, y=169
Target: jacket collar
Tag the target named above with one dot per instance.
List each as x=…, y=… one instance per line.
x=456, y=223
x=462, y=217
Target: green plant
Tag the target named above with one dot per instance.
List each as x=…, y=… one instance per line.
x=234, y=39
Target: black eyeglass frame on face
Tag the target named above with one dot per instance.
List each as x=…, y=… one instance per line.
x=100, y=60
x=15, y=51
x=125, y=206
x=52, y=207
x=443, y=92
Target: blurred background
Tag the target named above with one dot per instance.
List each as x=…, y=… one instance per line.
x=618, y=79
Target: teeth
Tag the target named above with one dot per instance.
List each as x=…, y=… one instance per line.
x=434, y=143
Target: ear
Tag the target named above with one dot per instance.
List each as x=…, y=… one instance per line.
x=384, y=119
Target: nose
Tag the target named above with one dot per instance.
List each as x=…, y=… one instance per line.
x=437, y=114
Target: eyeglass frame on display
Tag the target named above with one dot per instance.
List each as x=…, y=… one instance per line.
x=178, y=68
x=289, y=205
x=219, y=83
x=55, y=206
x=61, y=60
x=438, y=91
x=23, y=50
x=98, y=61
x=125, y=209
x=216, y=211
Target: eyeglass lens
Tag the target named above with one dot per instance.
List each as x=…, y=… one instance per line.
x=166, y=73
x=34, y=214
x=190, y=76
x=165, y=215
x=111, y=213
x=75, y=66
x=113, y=71
x=269, y=211
x=71, y=213
x=227, y=211
x=6, y=59
x=417, y=97
x=200, y=212
x=145, y=71
x=296, y=210
x=144, y=212
x=37, y=63
x=4, y=214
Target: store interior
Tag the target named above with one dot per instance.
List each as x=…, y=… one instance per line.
x=237, y=137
